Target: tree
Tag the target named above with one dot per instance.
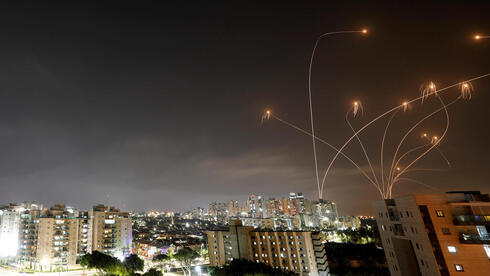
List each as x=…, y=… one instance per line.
x=104, y=264
x=185, y=256
x=152, y=272
x=162, y=259
x=133, y=263
x=84, y=262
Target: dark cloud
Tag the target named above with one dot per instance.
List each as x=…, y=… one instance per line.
x=157, y=106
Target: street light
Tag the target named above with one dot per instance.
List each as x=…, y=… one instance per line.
x=362, y=31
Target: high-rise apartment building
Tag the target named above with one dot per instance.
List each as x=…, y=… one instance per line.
x=29, y=220
x=111, y=230
x=436, y=234
x=85, y=232
x=55, y=238
x=9, y=230
x=298, y=251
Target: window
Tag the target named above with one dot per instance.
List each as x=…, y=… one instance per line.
x=440, y=213
x=452, y=249
x=458, y=267
x=446, y=231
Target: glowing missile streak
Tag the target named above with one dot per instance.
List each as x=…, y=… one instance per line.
x=356, y=107
x=382, y=165
x=364, y=31
x=328, y=144
x=381, y=116
x=435, y=144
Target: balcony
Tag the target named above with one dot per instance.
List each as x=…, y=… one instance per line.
x=394, y=218
x=471, y=238
x=471, y=220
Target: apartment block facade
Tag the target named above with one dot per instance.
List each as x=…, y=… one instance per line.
x=436, y=234
x=55, y=238
x=298, y=251
x=111, y=230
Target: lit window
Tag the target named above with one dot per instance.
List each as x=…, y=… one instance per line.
x=452, y=249
x=458, y=267
x=440, y=213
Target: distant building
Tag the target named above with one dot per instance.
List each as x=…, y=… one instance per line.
x=351, y=222
x=255, y=206
x=287, y=206
x=218, y=211
x=435, y=234
x=233, y=208
x=198, y=213
x=297, y=251
x=302, y=205
x=325, y=211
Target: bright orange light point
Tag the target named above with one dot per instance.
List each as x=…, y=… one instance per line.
x=268, y=112
x=477, y=37
x=355, y=103
x=405, y=103
x=364, y=31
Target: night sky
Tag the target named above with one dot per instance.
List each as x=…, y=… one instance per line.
x=148, y=105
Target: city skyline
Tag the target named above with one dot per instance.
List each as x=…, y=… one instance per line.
x=159, y=107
